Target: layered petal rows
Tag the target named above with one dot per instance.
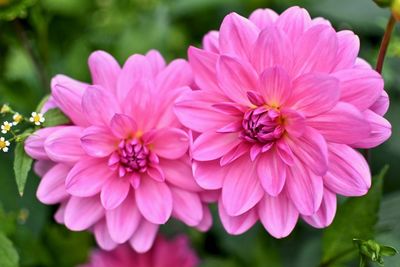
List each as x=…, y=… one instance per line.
x=165, y=253
x=283, y=103
x=122, y=168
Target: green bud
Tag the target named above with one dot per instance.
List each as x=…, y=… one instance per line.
x=396, y=9
x=388, y=251
x=5, y=109
x=383, y=3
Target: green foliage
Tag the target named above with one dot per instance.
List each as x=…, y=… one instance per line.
x=383, y=3
x=8, y=254
x=11, y=9
x=356, y=218
x=55, y=117
x=371, y=250
x=22, y=166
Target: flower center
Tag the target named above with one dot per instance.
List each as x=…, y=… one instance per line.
x=131, y=156
x=262, y=125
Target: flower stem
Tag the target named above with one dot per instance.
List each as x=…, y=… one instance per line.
x=385, y=43
x=381, y=59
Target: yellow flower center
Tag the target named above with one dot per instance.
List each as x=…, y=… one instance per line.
x=17, y=118
x=36, y=118
x=2, y=144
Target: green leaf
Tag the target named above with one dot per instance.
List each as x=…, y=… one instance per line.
x=55, y=117
x=14, y=9
x=356, y=218
x=22, y=166
x=388, y=251
x=42, y=103
x=383, y=3
x=8, y=255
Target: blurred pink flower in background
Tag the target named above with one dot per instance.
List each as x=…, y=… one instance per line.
x=165, y=253
x=283, y=104
x=122, y=169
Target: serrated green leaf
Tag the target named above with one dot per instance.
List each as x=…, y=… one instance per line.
x=22, y=166
x=356, y=218
x=8, y=255
x=54, y=117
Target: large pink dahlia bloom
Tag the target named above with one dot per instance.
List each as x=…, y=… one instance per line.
x=283, y=104
x=165, y=253
x=122, y=168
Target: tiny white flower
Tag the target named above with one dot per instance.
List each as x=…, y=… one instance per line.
x=17, y=118
x=37, y=118
x=4, y=144
x=6, y=127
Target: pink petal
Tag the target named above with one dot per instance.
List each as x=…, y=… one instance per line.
x=271, y=172
x=136, y=69
x=236, y=78
x=103, y=237
x=99, y=105
x=209, y=174
x=381, y=105
x=60, y=213
x=276, y=86
x=156, y=173
x=124, y=220
x=381, y=130
x=314, y=93
x=237, y=35
x=123, y=126
x=342, y=124
x=67, y=94
x=34, y=144
x=272, y=48
x=324, y=216
x=179, y=173
x=360, y=87
x=278, y=215
x=87, y=177
x=211, y=41
x=204, y=65
x=211, y=145
x=312, y=150
x=236, y=225
x=64, y=145
x=294, y=21
x=178, y=73
x=51, y=189
x=114, y=192
x=206, y=223
x=304, y=188
x=82, y=213
x=187, y=206
x=104, y=70
x=98, y=141
x=154, y=200
x=156, y=61
x=263, y=18
x=315, y=50
x=294, y=122
x=234, y=154
x=144, y=236
x=41, y=167
x=195, y=110
x=349, y=173
x=348, y=48
x=170, y=143
x=241, y=190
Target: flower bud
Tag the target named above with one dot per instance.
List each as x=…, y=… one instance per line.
x=396, y=9
x=5, y=109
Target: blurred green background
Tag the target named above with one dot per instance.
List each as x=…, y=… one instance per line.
x=39, y=39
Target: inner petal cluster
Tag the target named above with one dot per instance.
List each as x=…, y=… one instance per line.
x=131, y=156
x=262, y=125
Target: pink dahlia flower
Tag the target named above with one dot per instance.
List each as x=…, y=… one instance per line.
x=174, y=253
x=283, y=104
x=122, y=168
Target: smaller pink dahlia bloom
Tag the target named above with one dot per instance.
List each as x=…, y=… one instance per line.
x=283, y=102
x=122, y=168
x=165, y=253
